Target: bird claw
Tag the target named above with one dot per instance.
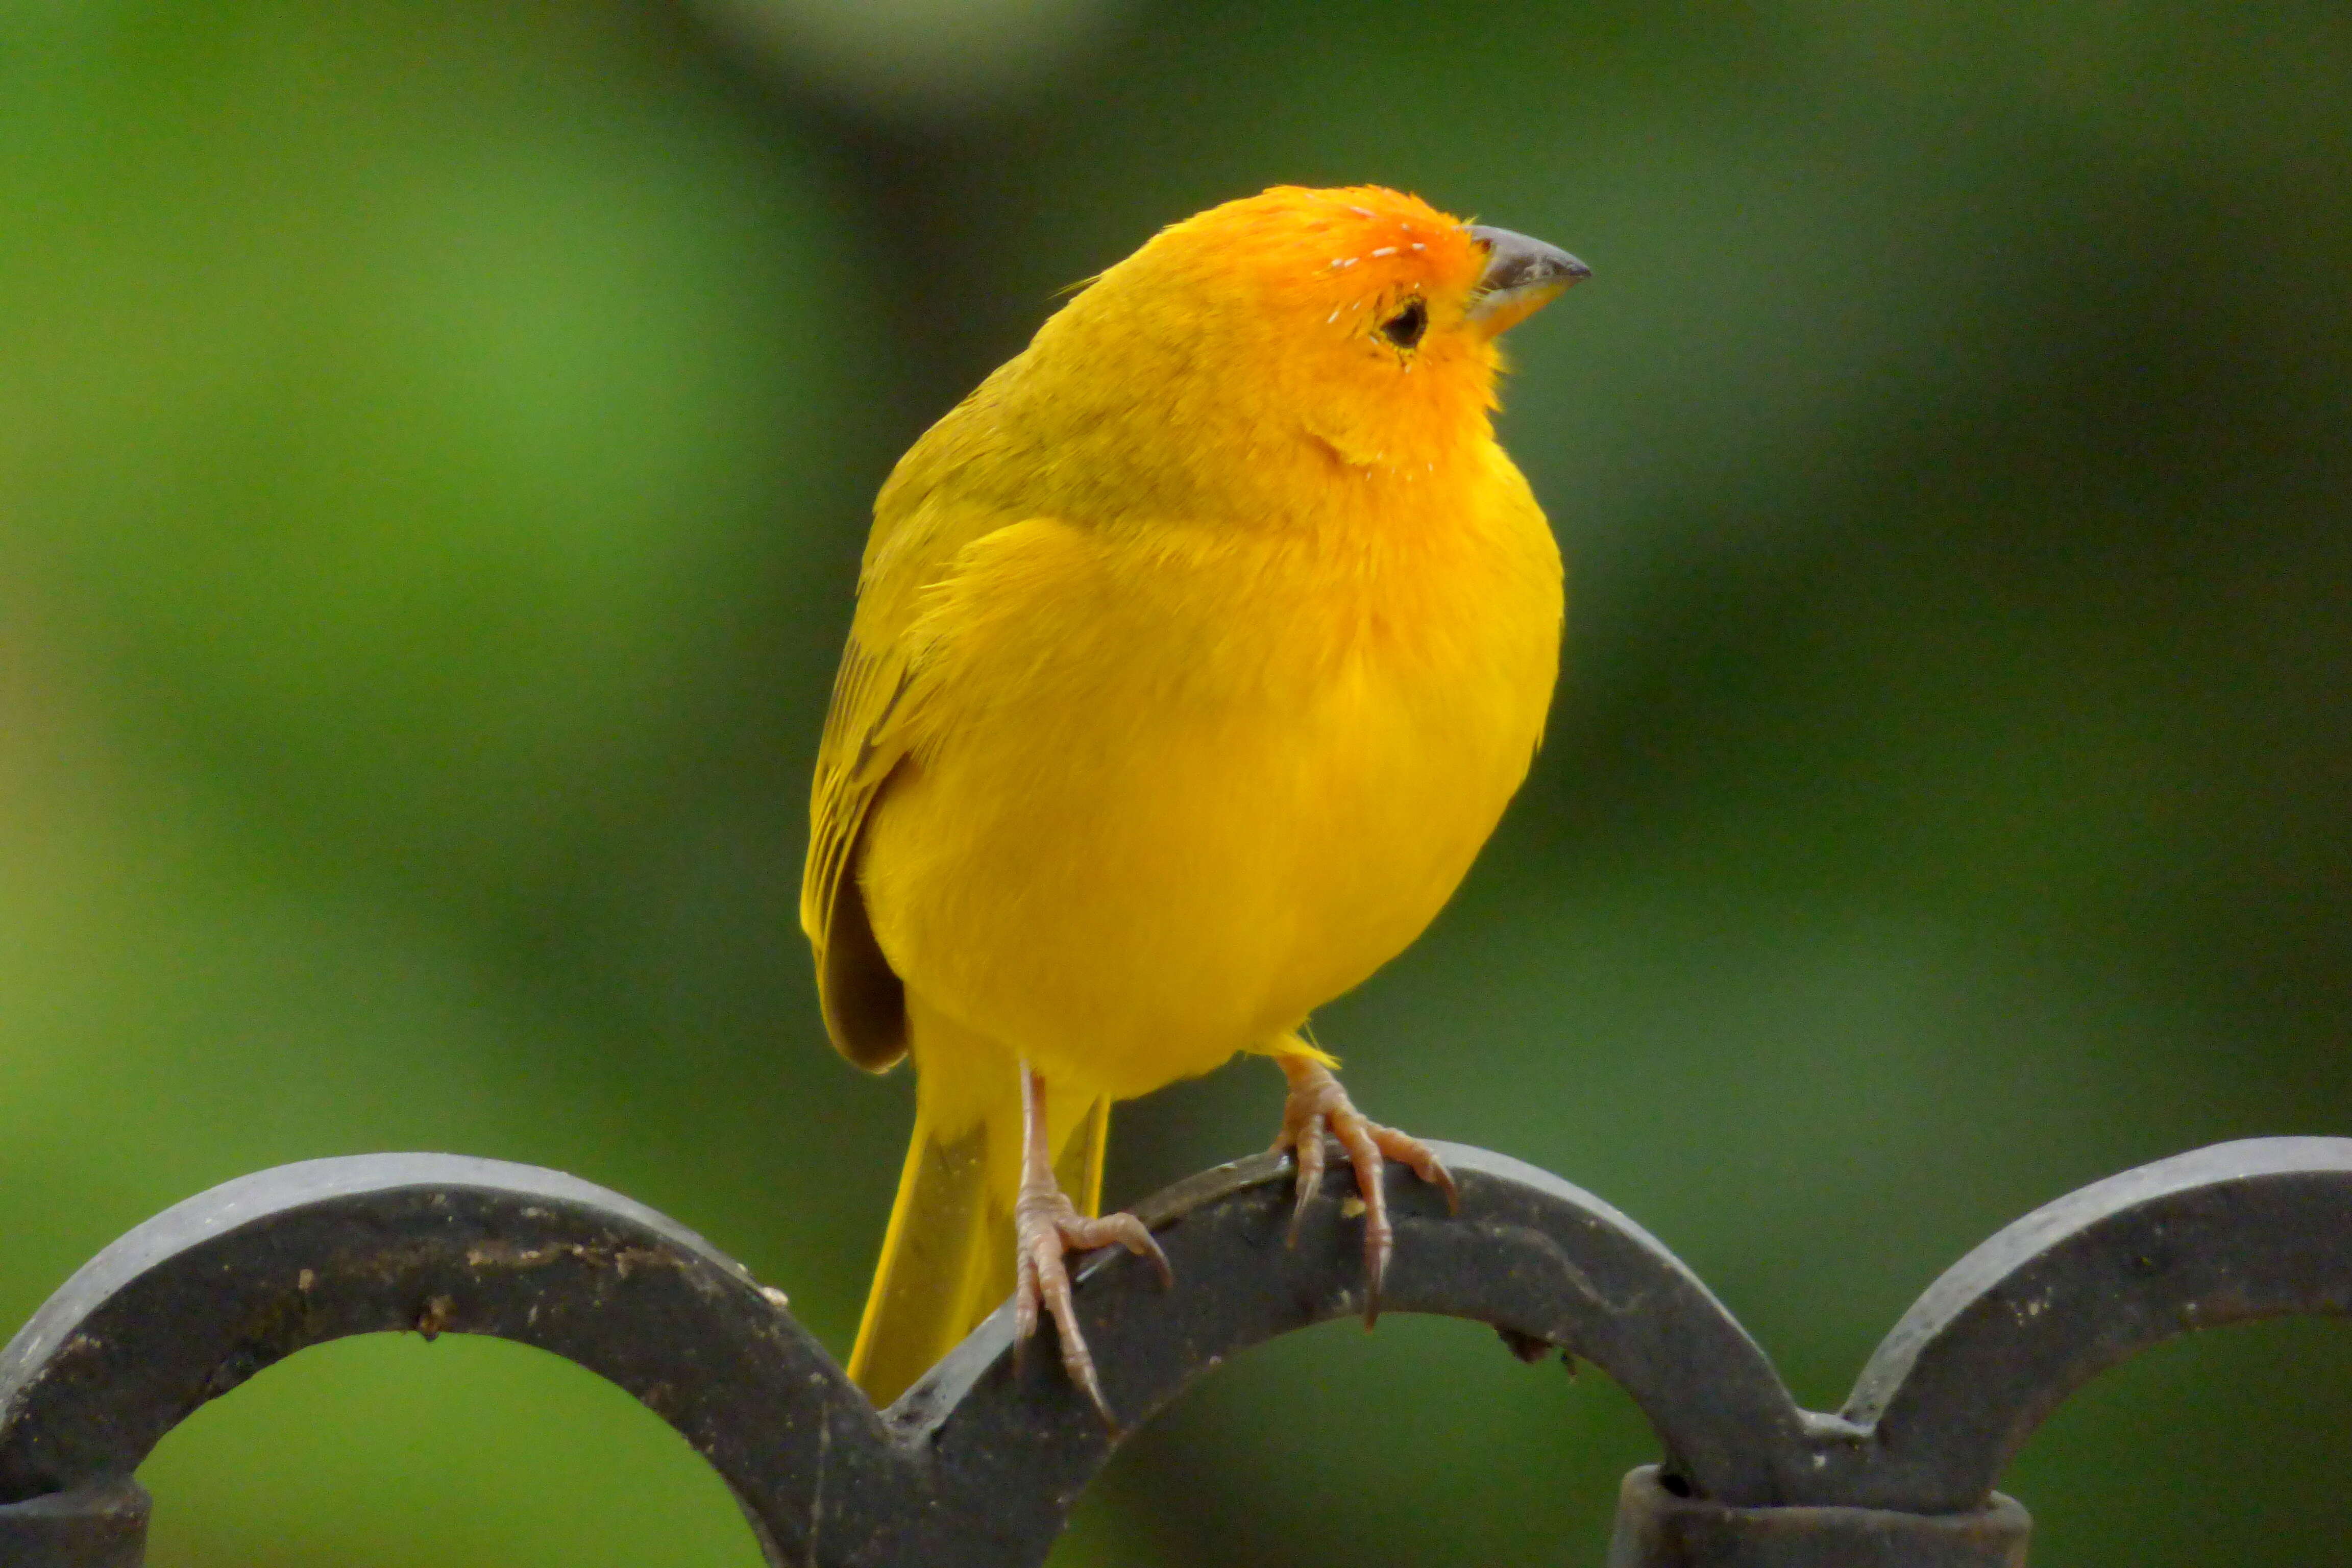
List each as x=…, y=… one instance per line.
x=1048, y=1228
x=1317, y=1107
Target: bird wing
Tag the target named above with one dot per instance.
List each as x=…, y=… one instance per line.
x=867, y=732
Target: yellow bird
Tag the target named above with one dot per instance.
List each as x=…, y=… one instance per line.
x=1196, y=654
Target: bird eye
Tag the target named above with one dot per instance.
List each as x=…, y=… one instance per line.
x=1404, y=327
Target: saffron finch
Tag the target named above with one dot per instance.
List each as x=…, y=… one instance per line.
x=1196, y=654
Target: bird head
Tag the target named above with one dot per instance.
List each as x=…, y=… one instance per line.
x=1356, y=325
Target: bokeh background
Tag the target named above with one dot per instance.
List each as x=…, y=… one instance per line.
x=435, y=446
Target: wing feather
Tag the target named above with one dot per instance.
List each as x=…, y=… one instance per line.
x=867, y=731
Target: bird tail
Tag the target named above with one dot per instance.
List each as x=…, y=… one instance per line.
x=947, y=1258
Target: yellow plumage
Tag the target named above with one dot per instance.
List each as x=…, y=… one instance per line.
x=1197, y=652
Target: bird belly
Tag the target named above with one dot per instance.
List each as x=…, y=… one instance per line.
x=1127, y=873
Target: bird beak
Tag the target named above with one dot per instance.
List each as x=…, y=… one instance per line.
x=1522, y=276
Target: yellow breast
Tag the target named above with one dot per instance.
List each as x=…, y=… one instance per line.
x=1174, y=786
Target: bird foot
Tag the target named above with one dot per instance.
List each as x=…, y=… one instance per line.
x=1317, y=1105
x=1047, y=1227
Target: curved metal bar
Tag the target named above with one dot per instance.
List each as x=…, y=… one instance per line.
x=979, y=1465
x=1528, y=1253
x=191, y=1303
x=2236, y=1231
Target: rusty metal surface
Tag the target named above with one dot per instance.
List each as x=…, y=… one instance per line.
x=979, y=1464
x=2231, y=1234
x=1658, y=1528
x=100, y=1525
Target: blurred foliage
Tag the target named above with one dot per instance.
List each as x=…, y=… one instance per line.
x=434, y=447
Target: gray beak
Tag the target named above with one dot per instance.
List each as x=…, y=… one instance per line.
x=1522, y=276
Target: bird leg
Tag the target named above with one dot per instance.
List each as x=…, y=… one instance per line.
x=1317, y=1105
x=1045, y=1226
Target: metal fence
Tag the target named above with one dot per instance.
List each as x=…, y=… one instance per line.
x=980, y=1463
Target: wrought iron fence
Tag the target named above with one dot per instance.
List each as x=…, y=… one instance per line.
x=980, y=1463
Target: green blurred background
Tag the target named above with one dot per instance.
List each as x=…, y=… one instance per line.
x=435, y=442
